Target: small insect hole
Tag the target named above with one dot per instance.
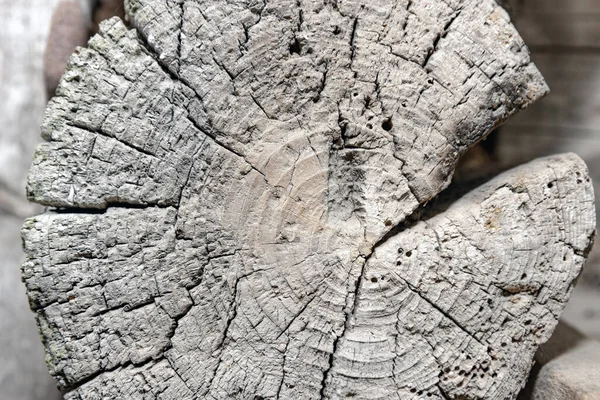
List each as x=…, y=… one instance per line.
x=295, y=47
x=387, y=124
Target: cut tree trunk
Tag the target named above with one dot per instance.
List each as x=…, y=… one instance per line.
x=236, y=188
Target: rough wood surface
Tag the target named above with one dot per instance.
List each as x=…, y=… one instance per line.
x=233, y=183
x=563, y=39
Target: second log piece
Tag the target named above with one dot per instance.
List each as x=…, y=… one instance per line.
x=229, y=176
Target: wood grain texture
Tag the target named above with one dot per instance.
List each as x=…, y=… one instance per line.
x=232, y=183
x=562, y=36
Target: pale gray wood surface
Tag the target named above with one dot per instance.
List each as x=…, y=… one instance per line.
x=564, y=37
x=235, y=185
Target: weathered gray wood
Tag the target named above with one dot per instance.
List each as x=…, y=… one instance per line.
x=563, y=38
x=234, y=181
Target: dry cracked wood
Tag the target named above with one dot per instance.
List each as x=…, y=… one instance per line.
x=232, y=179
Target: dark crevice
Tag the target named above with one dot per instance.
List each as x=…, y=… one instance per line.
x=313, y=296
x=222, y=144
x=101, y=133
x=189, y=174
x=296, y=46
x=321, y=85
x=349, y=314
x=178, y=375
x=125, y=307
x=75, y=385
x=387, y=124
x=408, y=12
x=442, y=392
x=221, y=345
x=179, y=37
x=247, y=28
x=440, y=35
x=352, y=41
x=340, y=142
x=231, y=75
x=102, y=209
x=260, y=106
x=444, y=313
x=300, y=18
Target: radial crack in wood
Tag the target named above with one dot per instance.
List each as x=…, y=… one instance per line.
x=453, y=305
x=231, y=179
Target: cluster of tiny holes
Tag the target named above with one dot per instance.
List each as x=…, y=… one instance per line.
x=400, y=252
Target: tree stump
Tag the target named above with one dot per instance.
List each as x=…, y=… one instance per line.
x=238, y=191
